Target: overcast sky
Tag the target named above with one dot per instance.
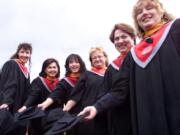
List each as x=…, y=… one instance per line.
x=57, y=28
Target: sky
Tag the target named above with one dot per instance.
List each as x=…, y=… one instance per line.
x=57, y=28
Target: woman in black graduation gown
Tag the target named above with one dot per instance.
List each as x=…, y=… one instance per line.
x=40, y=89
x=149, y=76
x=74, y=68
x=123, y=38
x=86, y=93
x=15, y=82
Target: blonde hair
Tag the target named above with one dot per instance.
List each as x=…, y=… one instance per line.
x=165, y=18
x=100, y=49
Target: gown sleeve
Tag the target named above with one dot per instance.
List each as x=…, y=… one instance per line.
x=9, y=82
x=59, y=92
x=34, y=94
x=79, y=89
x=107, y=81
x=176, y=35
x=119, y=92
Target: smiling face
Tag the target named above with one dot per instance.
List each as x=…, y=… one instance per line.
x=98, y=59
x=24, y=56
x=122, y=41
x=74, y=66
x=51, y=70
x=148, y=14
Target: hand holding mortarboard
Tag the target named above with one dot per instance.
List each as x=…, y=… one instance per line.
x=66, y=122
x=29, y=113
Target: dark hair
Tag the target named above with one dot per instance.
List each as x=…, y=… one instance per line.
x=77, y=58
x=125, y=28
x=46, y=63
x=25, y=46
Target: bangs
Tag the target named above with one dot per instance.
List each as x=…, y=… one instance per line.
x=144, y=3
x=73, y=58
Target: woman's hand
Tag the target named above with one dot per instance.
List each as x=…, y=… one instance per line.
x=66, y=108
x=45, y=104
x=70, y=104
x=88, y=113
x=22, y=109
x=4, y=106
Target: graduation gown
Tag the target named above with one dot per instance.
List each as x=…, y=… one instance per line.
x=153, y=91
x=39, y=91
x=63, y=91
x=14, y=85
x=86, y=93
x=62, y=94
x=119, y=117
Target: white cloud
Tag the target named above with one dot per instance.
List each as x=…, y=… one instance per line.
x=57, y=28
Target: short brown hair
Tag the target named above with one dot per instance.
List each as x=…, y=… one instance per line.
x=124, y=27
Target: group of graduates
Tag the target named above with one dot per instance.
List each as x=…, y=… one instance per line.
x=138, y=93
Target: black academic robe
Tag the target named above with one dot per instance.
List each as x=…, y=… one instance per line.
x=62, y=93
x=153, y=91
x=14, y=86
x=86, y=93
x=39, y=91
x=119, y=122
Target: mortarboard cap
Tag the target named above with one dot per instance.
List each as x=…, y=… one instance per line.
x=64, y=123
x=29, y=113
